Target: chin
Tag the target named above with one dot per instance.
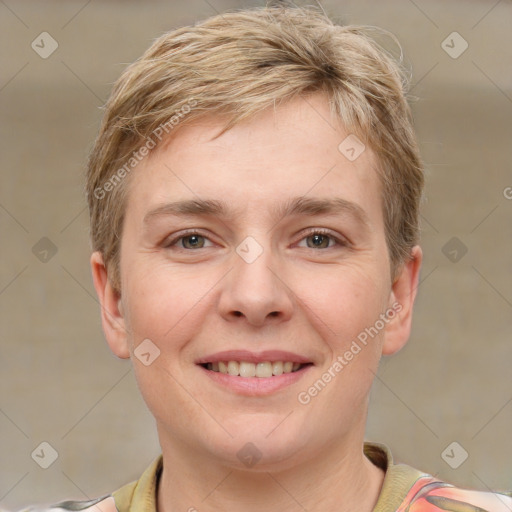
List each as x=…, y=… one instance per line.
x=264, y=444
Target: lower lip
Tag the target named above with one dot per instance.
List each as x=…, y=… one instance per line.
x=256, y=386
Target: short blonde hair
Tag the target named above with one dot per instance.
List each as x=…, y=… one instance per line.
x=236, y=64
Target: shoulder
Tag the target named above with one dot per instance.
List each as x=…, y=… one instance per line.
x=139, y=496
x=104, y=504
x=431, y=495
x=406, y=489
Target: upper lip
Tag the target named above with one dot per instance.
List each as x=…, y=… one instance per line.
x=253, y=357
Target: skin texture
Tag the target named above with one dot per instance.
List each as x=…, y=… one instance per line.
x=192, y=302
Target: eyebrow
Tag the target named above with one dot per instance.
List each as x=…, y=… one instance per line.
x=295, y=206
x=188, y=207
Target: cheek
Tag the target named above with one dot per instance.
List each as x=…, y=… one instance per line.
x=341, y=302
x=343, y=307
x=163, y=302
x=165, y=308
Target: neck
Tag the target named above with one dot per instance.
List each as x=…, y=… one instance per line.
x=337, y=480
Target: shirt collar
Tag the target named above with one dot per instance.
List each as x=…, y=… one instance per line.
x=140, y=496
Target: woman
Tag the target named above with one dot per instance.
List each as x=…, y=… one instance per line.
x=254, y=194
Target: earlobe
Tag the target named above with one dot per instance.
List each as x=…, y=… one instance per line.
x=112, y=313
x=403, y=293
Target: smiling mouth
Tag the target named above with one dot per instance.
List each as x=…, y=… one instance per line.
x=246, y=369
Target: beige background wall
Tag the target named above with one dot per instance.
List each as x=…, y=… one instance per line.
x=59, y=382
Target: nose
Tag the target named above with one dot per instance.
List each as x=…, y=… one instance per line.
x=255, y=291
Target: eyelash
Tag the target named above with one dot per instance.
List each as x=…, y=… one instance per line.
x=318, y=231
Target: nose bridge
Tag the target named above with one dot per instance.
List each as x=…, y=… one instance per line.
x=254, y=289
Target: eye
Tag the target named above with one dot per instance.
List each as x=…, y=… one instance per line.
x=193, y=241
x=320, y=239
x=189, y=241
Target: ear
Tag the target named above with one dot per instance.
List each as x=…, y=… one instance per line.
x=401, y=301
x=112, y=317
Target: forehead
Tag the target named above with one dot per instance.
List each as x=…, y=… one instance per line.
x=294, y=150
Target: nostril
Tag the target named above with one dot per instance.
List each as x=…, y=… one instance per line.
x=237, y=313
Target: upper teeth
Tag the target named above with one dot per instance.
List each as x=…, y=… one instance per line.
x=245, y=369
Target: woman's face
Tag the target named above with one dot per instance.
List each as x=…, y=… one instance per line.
x=257, y=253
